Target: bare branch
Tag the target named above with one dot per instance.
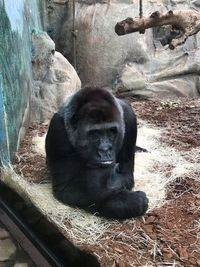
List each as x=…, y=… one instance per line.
x=184, y=23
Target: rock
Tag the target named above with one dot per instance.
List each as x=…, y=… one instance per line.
x=7, y=249
x=53, y=13
x=196, y=3
x=131, y=79
x=6, y=264
x=42, y=52
x=132, y=64
x=3, y=233
x=21, y=264
x=155, y=80
x=100, y=52
x=54, y=78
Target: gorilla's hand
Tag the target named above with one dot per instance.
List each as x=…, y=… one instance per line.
x=124, y=204
x=139, y=202
x=121, y=180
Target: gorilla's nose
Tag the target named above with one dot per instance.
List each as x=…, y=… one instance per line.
x=105, y=152
x=104, y=148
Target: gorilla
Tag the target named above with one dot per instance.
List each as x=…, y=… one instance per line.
x=90, y=147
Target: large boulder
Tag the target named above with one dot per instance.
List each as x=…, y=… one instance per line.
x=162, y=77
x=54, y=78
x=134, y=63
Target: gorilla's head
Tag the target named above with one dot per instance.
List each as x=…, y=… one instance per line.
x=94, y=123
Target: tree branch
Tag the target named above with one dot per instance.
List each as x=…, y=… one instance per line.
x=184, y=23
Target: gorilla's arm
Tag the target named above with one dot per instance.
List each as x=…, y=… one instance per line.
x=60, y=155
x=115, y=203
x=126, y=155
x=123, y=172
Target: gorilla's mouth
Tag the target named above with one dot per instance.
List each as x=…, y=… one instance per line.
x=101, y=164
x=106, y=163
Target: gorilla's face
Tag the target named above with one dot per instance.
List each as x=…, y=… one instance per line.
x=98, y=134
x=97, y=128
x=96, y=144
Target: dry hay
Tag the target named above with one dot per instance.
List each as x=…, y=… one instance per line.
x=154, y=172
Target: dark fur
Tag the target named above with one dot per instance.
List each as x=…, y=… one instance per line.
x=71, y=158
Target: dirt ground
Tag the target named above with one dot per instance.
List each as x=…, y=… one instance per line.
x=173, y=230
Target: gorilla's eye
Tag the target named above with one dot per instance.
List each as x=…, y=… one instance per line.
x=113, y=130
x=94, y=133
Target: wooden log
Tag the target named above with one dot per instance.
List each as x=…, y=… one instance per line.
x=184, y=23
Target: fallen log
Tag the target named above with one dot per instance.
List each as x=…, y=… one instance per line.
x=184, y=23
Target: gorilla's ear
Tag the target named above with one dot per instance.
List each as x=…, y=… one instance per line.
x=69, y=115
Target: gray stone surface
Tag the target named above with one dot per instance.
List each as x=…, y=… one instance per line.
x=7, y=249
x=6, y=264
x=22, y=264
x=53, y=12
x=134, y=63
x=11, y=254
x=54, y=78
x=3, y=233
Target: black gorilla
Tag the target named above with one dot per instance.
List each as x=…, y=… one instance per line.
x=90, y=147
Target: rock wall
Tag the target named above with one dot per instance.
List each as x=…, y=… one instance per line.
x=53, y=14
x=34, y=78
x=130, y=64
x=17, y=19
